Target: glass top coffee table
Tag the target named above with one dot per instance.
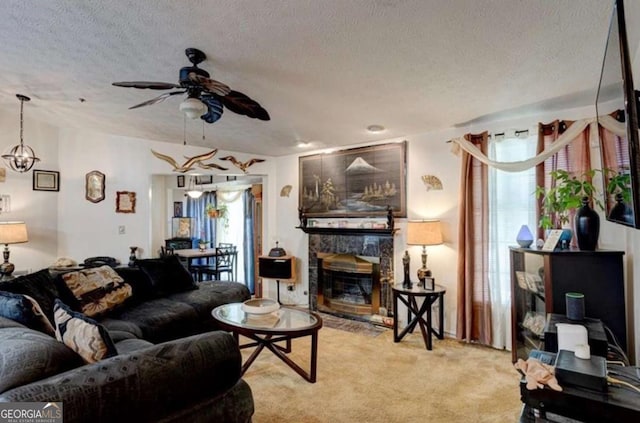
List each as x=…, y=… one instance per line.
x=266, y=330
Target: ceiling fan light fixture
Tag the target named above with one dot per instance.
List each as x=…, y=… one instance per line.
x=21, y=158
x=193, y=108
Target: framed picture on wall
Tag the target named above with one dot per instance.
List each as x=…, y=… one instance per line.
x=177, y=209
x=94, y=186
x=46, y=180
x=181, y=227
x=180, y=181
x=125, y=202
x=355, y=182
x=204, y=179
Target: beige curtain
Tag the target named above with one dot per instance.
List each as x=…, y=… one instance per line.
x=474, y=304
x=574, y=157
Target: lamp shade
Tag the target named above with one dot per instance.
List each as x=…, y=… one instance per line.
x=424, y=232
x=13, y=232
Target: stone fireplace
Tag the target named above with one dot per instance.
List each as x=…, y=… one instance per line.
x=348, y=274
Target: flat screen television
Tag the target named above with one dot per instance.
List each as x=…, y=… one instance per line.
x=616, y=95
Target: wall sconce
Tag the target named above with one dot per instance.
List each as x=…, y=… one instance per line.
x=21, y=158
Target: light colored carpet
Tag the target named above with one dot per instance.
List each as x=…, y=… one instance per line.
x=372, y=379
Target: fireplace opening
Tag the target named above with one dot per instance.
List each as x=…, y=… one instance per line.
x=349, y=284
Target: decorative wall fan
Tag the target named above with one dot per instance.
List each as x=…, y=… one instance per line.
x=205, y=96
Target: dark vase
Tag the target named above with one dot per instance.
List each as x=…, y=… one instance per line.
x=587, y=226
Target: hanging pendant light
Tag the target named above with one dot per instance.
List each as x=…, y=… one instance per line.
x=191, y=189
x=21, y=158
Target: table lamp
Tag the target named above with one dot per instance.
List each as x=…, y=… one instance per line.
x=11, y=233
x=424, y=232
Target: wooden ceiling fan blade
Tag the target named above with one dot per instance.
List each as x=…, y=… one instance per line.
x=210, y=85
x=157, y=99
x=146, y=85
x=241, y=104
x=214, y=108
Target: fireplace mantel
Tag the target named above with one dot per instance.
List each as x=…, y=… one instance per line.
x=347, y=231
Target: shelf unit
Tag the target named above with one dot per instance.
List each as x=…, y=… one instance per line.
x=540, y=280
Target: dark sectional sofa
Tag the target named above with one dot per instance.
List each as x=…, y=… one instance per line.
x=172, y=365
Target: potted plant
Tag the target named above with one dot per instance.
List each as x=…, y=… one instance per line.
x=567, y=194
x=218, y=212
x=618, y=188
x=203, y=244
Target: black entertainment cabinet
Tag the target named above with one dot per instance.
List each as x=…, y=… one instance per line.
x=540, y=279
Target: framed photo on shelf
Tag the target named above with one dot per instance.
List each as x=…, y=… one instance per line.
x=181, y=227
x=125, y=202
x=46, y=180
x=180, y=181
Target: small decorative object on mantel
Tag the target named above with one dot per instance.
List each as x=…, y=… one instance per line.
x=188, y=164
x=243, y=166
x=285, y=191
x=432, y=182
x=524, y=237
x=125, y=202
x=132, y=256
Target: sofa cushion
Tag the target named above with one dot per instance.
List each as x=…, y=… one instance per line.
x=83, y=335
x=158, y=320
x=127, y=346
x=167, y=275
x=141, y=286
x=25, y=310
x=211, y=294
x=27, y=356
x=98, y=289
x=39, y=286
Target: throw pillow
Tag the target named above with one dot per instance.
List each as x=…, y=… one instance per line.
x=85, y=336
x=24, y=309
x=39, y=286
x=167, y=275
x=98, y=289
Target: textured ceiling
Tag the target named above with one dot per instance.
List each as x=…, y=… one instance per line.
x=324, y=69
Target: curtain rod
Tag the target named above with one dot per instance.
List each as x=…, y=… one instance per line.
x=517, y=133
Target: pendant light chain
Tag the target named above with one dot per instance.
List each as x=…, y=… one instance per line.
x=21, y=158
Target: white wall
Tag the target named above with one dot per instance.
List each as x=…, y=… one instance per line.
x=38, y=209
x=64, y=224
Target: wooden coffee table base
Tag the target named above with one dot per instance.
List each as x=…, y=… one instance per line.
x=269, y=342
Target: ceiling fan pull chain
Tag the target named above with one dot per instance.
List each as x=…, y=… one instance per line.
x=203, y=132
x=184, y=129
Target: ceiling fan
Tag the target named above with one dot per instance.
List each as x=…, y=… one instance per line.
x=205, y=96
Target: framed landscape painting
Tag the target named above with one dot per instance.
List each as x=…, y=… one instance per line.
x=356, y=182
